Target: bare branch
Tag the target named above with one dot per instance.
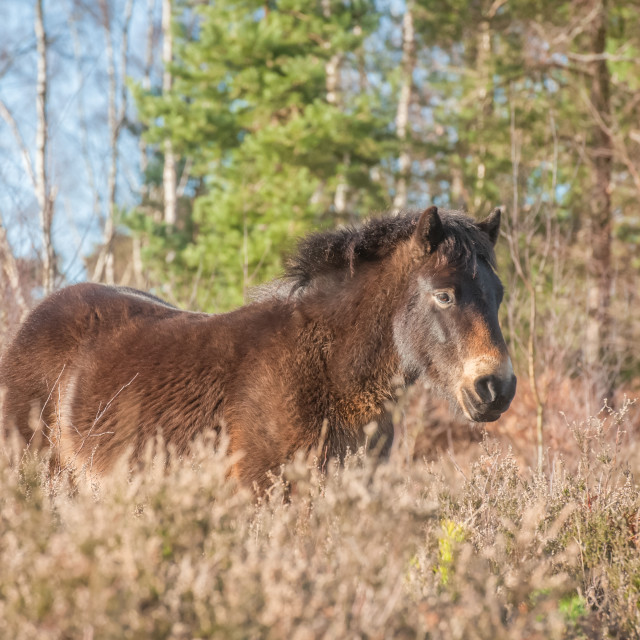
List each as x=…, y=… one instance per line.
x=116, y=115
x=9, y=267
x=6, y=115
x=169, y=172
x=495, y=7
x=184, y=178
x=618, y=141
x=597, y=57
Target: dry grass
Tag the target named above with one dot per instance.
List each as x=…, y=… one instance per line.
x=397, y=550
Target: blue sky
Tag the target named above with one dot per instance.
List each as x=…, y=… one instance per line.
x=77, y=84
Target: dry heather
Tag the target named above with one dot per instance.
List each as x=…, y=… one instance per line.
x=389, y=551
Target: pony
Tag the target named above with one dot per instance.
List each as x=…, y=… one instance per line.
x=306, y=366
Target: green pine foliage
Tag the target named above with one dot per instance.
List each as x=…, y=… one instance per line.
x=250, y=107
x=499, y=115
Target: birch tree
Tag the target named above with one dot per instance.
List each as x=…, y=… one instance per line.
x=146, y=86
x=43, y=193
x=404, y=107
x=169, y=178
x=35, y=160
x=332, y=71
x=9, y=270
x=117, y=110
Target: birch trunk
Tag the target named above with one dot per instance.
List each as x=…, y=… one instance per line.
x=82, y=120
x=136, y=256
x=41, y=185
x=484, y=100
x=105, y=264
x=146, y=85
x=332, y=70
x=109, y=226
x=332, y=74
x=404, y=106
x=169, y=179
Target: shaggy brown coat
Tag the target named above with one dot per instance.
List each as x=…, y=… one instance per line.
x=106, y=368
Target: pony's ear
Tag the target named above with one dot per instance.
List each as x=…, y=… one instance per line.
x=491, y=225
x=429, y=230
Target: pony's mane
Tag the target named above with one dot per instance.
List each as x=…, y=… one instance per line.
x=348, y=247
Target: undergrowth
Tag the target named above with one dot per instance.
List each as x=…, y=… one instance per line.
x=391, y=550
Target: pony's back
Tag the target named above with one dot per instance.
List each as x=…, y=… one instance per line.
x=49, y=339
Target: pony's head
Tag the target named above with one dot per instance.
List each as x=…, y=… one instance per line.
x=446, y=328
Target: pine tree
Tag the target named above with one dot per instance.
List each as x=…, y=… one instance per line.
x=250, y=107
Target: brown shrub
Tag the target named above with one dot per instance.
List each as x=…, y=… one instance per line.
x=397, y=550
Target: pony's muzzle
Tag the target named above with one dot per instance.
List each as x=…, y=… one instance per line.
x=496, y=391
x=486, y=397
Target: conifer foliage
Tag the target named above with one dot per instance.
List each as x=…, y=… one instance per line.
x=266, y=103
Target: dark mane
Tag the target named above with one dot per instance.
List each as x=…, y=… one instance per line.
x=346, y=248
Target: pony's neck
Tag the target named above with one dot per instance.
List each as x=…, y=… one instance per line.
x=362, y=361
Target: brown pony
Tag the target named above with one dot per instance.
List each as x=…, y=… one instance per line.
x=309, y=364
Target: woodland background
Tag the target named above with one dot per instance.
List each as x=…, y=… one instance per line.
x=182, y=146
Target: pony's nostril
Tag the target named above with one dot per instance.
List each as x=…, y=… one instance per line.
x=487, y=388
x=489, y=397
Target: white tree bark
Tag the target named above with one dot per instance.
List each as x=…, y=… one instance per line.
x=82, y=119
x=482, y=62
x=404, y=106
x=105, y=264
x=332, y=71
x=146, y=85
x=136, y=257
x=41, y=185
x=107, y=268
x=7, y=116
x=169, y=178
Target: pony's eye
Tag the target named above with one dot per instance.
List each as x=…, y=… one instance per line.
x=443, y=298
